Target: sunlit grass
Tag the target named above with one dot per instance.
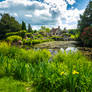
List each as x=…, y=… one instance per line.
x=8, y=84
x=70, y=72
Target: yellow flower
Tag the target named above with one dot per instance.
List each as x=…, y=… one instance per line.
x=62, y=73
x=75, y=72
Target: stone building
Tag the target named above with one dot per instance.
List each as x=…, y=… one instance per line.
x=55, y=31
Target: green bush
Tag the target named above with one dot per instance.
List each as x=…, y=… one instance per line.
x=29, y=34
x=22, y=33
x=86, y=36
x=35, y=41
x=27, y=41
x=11, y=34
x=14, y=38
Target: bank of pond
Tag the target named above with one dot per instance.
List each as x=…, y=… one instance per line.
x=37, y=70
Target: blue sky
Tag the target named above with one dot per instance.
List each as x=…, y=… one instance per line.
x=51, y=13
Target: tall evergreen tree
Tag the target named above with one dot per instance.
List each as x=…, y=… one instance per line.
x=8, y=24
x=23, y=25
x=29, y=28
x=86, y=18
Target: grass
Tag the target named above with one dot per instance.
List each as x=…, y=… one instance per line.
x=8, y=84
x=62, y=72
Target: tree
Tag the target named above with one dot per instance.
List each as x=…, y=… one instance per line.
x=29, y=28
x=8, y=24
x=86, y=18
x=23, y=25
x=84, y=24
x=86, y=36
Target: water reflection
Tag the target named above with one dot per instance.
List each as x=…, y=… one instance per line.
x=71, y=49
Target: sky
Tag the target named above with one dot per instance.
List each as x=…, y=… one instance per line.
x=49, y=13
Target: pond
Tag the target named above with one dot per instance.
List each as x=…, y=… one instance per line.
x=54, y=46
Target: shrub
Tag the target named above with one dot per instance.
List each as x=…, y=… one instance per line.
x=27, y=41
x=86, y=36
x=29, y=35
x=36, y=41
x=14, y=38
x=11, y=34
x=22, y=33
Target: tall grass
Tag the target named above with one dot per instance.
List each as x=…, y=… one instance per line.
x=70, y=72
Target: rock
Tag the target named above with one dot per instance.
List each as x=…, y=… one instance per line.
x=71, y=49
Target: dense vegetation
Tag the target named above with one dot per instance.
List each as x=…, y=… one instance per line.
x=37, y=69
x=9, y=27
x=86, y=36
x=8, y=24
x=85, y=25
x=11, y=31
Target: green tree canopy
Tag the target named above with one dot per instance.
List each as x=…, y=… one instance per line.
x=29, y=28
x=23, y=25
x=8, y=24
x=86, y=18
x=45, y=29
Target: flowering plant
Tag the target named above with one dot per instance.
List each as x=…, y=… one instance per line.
x=86, y=36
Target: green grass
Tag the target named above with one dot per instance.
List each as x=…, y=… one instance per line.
x=8, y=84
x=70, y=72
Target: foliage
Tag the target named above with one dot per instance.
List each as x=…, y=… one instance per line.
x=22, y=33
x=8, y=24
x=27, y=41
x=23, y=25
x=35, y=41
x=30, y=35
x=84, y=25
x=29, y=28
x=44, y=30
x=86, y=36
x=11, y=34
x=56, y=38
x=14, y=38
x=74, y=31
x=8, y=84
x=38, y=36
x=86, y=18
x=76, y=37
x=40, y=40
x=64, y=72
x=30, y=56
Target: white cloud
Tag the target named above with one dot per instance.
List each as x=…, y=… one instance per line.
x=51, y=12
x=15, y=14
x=42, y=12
x=28, y=15
x=71, y=1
